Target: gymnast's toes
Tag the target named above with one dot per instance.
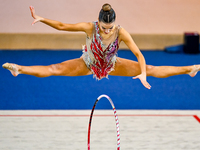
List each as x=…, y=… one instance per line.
x=7, y=66
x=12, y=68
x=194, y=71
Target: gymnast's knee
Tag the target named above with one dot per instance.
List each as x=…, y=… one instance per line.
x=55, y=69
x=150, y=69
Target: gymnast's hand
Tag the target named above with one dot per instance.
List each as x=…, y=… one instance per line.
x=142, y=78
x=36, y=18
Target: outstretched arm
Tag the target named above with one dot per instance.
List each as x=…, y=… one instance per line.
x=127, y=39
x=85, y=27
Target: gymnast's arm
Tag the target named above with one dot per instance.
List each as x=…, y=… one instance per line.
x=85, y=27
x=127, y=39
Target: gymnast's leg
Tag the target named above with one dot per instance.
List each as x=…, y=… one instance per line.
x=74, y=67
x=125, y=67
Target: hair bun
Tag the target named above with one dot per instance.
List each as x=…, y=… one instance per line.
x=106, y=7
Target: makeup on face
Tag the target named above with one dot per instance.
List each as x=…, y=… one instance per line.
x=106, y=28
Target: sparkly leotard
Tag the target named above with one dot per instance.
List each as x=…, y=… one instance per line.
x=100, y=54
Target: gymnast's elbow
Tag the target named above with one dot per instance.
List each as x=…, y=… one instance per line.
x=61, y=27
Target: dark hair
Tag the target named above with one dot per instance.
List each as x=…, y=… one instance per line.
x=107, y=14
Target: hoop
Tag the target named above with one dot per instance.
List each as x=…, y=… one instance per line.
x=116, y=119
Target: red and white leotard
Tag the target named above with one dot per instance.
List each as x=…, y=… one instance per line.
x=100, y=54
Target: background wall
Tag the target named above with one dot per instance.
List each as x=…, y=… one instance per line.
x=142, y=18
x=137, y=16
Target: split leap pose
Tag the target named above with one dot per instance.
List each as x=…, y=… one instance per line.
x=99, y=54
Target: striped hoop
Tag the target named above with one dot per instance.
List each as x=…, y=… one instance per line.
x=116, y=119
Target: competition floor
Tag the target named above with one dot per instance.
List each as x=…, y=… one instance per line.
x=67, y=130
x=48, y=114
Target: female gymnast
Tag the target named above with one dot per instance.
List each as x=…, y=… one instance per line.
x=99, y=54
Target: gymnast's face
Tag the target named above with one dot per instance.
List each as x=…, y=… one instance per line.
x=106, y=27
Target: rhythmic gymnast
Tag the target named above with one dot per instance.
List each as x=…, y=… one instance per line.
x=99, y=54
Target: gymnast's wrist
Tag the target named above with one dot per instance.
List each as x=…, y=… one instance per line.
x=144, y=72
x=41, y=19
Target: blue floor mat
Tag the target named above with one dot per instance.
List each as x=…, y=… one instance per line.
x=28, y=92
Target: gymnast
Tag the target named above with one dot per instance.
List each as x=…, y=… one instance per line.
x=99, y=54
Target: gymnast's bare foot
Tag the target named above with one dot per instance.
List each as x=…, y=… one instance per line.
x=194, y=71
x=12, y=68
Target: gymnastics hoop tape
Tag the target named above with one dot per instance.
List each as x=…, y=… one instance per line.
x=116, y=119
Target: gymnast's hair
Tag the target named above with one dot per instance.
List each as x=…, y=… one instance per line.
x=107, y=14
